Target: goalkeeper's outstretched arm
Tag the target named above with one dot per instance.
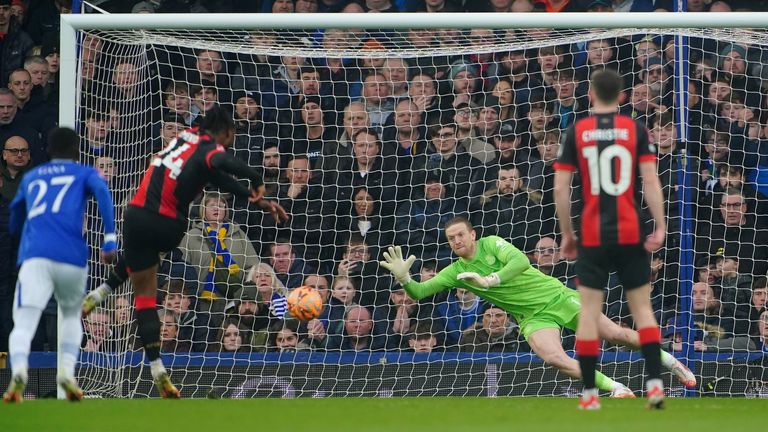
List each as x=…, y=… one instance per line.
x=401, y=268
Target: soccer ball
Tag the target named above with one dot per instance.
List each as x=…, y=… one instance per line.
x=305, y=303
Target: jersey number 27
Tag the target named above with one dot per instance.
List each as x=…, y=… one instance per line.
x=39, y=188
x=600, y=164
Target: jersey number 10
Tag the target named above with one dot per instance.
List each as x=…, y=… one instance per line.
x=600, y=164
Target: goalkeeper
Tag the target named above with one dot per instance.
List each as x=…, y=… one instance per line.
x=500, y=273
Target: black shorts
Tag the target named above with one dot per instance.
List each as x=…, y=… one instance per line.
x=146, y=234
x=631, y=262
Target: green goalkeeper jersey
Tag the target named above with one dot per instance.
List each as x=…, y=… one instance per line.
x=523, y=290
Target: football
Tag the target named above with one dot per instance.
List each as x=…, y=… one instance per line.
x=305, y=303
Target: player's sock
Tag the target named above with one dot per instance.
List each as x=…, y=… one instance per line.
x=149, y=325
x=667, y=359
x=156, y=367
x=604, y=382
x=587, y=351
x=25, y=320
x=69, y=342
x=650, y=346
x=117, y=276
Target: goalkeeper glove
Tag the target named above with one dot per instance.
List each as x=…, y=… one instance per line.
x=481, y=281
x=399, y=267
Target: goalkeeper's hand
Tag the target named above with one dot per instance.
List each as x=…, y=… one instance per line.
x=480, y=281
x=395, y=263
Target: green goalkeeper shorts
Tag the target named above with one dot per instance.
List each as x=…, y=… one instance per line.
x=561, y=312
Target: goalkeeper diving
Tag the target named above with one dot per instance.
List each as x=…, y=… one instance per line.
x=498, y=272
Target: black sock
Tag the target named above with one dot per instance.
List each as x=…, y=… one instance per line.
x=149, y=332
x=588, y=366
x=118, y=275
x=652, y=355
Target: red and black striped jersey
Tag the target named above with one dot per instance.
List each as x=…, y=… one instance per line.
x=607, y=150
x=177, y=175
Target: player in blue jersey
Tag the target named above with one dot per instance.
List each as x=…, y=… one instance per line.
x=48, y=210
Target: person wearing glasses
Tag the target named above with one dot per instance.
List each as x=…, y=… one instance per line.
x=16, y=160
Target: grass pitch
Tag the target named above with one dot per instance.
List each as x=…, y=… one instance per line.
x=371, y=414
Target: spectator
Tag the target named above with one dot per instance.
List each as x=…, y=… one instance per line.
x=358, y=333
x=204, y=97
x=395, y=71
x=398, y=316
x=366, y=221
x=278, y=89
x=462, y=175
x=421, y=338
x=761, y=339
x=487, y=124
x=172, y=126
x=15, y=45
x=420, y=220
x=496, y=333
x=422, y=90
x=232, y=338
x=465, y=117
x=248, y=309
x=509, y=151
x=17, y=161
x=284, y=337
x=37, y=67
x=311, y=133
x=289, y=269
x=339, y=151
x=211, y=68
x=376, y=99
x=508, y=210
x=311, y=206
x=331, y=319
x=11, y=124
x=96, y=332
x=178, y=300
x=733, y=63
x=373, y=285
x=407, y=138
x=547, y=259
x=460, y=311
x=733, y=228
x=735, y=287
x=219, y=248
x=505, y=93
x=254, y=70
x=748, y=315
x=169, y=333
x=176, y=101
x=370, y=169
x=568, y=106
x=463, y=78
x=669, y=166
x=283, y=6
x=271, y=294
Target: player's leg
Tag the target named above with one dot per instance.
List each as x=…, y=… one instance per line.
x=588, y=340
x=650, y=343
x=69, y=287
x=117, y=276
x=629, y=338
x=546, y=343
x=34, y=288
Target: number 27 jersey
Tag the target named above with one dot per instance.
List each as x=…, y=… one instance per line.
x=177, y=174
x=607, y=149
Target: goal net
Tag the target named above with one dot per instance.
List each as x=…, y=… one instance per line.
x=374, y=137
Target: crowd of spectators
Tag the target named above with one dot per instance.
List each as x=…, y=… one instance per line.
x=372, y=151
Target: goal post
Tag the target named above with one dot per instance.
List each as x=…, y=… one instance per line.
x=120, y=81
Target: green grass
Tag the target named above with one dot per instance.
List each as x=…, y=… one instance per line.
x=369, y=414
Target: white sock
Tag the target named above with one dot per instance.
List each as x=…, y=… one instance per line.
x=653, y=383
x=667, y=359
x=588, y=393
x=25, y=320
x=156, y=367
x=69, y=343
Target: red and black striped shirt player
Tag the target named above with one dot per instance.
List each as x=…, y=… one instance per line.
x=607, y=149
x=616, y=163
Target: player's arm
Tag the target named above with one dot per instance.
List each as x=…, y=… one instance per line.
x=18, y=210
x=99, y=189
x=651, y=188
x=401, y=270
x=226, y=163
